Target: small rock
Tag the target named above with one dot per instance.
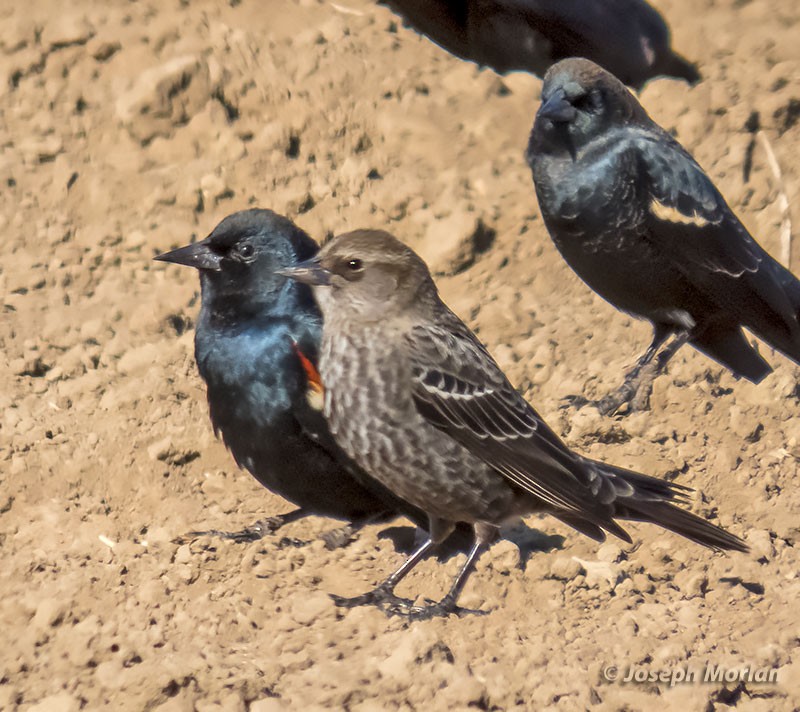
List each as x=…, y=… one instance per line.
x=66, y=28
x=60, y=702
x=268, y=704
x=691, y=583
x=50, y=612
x=160, y=450
x=103, y=50
x=565, y=569
x=306, y=609
x=505, y=556
x=165, y=96
x=214, y=188
x=610, y=553
x=454, y=243
x=139, y=358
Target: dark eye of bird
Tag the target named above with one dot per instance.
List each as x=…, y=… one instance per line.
x=355, y=265
x=245, y=250
x=583, y=102
x=590, y=102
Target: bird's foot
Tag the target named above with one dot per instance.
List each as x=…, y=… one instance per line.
x=254, y=532
x=610, y=404
x=634, y=394
x=379, y=597
x=574, y=401
x=607, y=405
x=440, y=609
x=340, y=537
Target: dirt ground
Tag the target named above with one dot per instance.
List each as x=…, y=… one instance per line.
x=126, y=129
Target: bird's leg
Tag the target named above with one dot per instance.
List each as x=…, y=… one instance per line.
x=671, y=349
x=640, y=400
x=485, y=535
x=254, y=532
x=637, y=386
x=610, y=403
x=384, y=593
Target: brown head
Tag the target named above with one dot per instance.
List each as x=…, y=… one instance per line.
x=368, y=275
x=581, y=101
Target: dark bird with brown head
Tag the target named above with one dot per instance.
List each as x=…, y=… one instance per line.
x=640, y=222
x=417, y=401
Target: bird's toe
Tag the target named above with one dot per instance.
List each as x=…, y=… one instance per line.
x=380, y=597
x=442, y=609
x=574, y=401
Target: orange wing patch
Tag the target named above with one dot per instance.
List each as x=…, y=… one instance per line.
x=316, y=392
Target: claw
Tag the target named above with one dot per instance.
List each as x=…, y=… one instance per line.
x=574, y=401
x=442, y=609
x=254, y=532
x=378, y=597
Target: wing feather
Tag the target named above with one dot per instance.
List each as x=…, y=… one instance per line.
x=459, y=388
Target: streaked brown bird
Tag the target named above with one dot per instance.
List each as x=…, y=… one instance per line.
x=640, y=222
x=417, y=401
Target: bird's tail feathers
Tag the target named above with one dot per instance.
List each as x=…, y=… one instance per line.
x=674, y=65
x=648, y=499
x=730, y=347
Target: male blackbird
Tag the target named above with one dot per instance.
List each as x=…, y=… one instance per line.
x=418, y=402
x=256, y=346
x=627, y=37
x=640, y=222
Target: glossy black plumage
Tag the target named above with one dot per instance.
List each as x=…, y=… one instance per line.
x=627, y=37
x=419, y=403
x=641, y=223
x=256, y=342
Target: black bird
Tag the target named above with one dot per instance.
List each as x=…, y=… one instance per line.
x=256, y=346
x=640, y=222
x=416, y=400
x=627, y=37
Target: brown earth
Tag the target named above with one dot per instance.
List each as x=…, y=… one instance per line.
x=129, y=127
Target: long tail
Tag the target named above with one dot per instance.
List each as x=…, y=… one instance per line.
x=674, y=65
x=640, y=498
x=728, y=346
x=779, y=321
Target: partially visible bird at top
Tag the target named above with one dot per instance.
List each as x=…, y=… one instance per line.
x=420, y=404
x=640, y=222
x=627, y=37
x=256, y=346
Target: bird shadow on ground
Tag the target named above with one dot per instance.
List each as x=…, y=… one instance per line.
x=528, y=540
x=531, y=541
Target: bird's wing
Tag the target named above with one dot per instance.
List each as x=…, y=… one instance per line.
x=458, y=387
x=694, y=227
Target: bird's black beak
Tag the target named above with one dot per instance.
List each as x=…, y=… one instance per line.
x=557, y=109
x=198, y=255
x=308, y=272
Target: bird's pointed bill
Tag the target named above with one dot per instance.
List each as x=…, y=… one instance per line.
x=198, y=255
x=557, y=109
x=308, y=272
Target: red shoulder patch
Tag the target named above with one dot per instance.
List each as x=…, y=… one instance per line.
x=314, y=379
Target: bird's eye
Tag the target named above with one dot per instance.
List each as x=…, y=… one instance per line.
x=355, y=265
x=586, y=102
x=245, y=250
